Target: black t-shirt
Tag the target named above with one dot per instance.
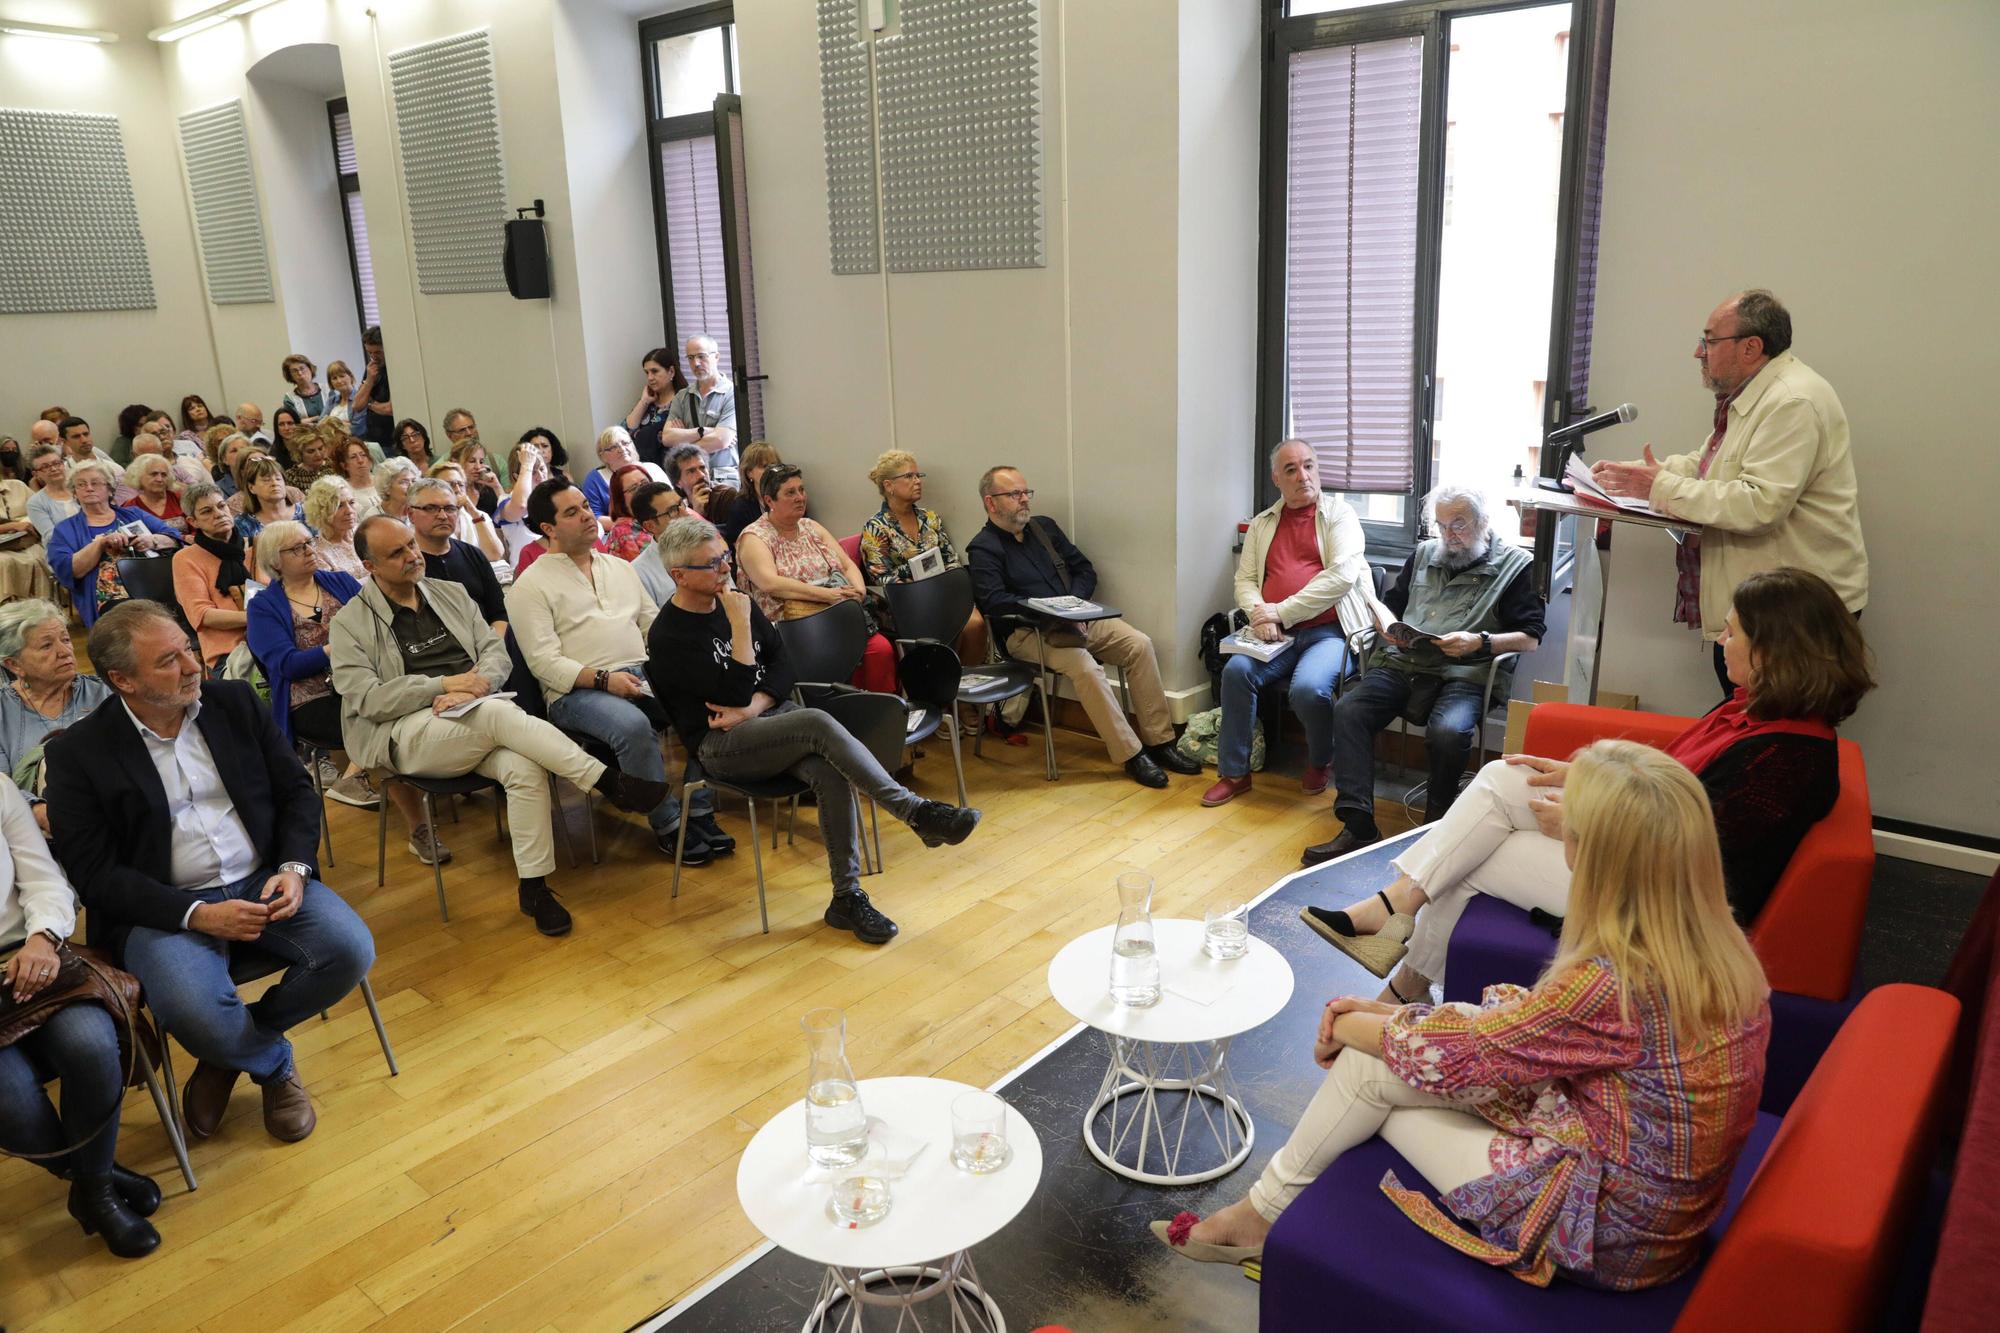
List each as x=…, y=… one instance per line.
x=469, y=567
x=690, y=664
x=427, y=646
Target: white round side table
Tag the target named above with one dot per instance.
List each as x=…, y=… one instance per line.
x=1177, y=1045
x=935, y=1210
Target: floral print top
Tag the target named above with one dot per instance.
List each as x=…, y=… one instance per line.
x=886, y=549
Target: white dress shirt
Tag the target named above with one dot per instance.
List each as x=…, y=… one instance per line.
x=34, y=895
x=211, y=846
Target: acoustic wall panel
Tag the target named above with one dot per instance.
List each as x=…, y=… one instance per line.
x=959, y=99
x=847, y=100
x=227, y=222
x=69, y=224
x=454, y=179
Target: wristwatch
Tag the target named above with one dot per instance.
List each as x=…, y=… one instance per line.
x=603, y=679
x=700, y=431
x=1485, y=642
x=299, y=868
x=55, y=940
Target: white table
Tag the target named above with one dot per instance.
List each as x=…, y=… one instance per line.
x=1177, y=1045
x=936, y=1210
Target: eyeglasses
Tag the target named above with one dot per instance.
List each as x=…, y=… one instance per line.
x=460, y=432
x=1458, y=527
x=711, y=566
x=296, y=548
x=909, y=476
x=1019, y=497
x=669, y=515
x=432, y=509
x=1705, y=339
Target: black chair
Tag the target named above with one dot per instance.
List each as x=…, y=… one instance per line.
x=150, y=578
x=930, y=674
x=428, y=790
x=311, y=750
x=1363, y=642
x=826, y=647
x=774, y=790
x=881, y=723
x=528, y=698
x=934, y=611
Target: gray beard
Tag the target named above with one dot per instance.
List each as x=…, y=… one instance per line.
x=1459, y=561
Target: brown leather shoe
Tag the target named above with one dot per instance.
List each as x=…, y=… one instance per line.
x=207, y=1097
x=288, y=1111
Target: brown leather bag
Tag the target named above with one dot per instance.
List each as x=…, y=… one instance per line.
x=85, y=976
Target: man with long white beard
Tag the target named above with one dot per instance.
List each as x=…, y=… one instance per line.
x=1462, y=599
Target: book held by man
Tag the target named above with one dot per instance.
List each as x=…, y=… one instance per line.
x=1245, y=643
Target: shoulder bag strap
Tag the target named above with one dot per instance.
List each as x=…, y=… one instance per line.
x=1062, y=570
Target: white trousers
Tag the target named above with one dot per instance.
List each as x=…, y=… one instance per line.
x=1360, y=1098
x=1488, y=842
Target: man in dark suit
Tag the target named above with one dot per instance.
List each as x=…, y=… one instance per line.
x=188, y=828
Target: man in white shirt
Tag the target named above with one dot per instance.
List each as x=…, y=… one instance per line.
x=655, y=505
x=581, y=618
x=704, y=413
x=189, y=828
x=77, y=447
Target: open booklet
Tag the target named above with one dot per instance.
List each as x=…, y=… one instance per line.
x=460, y=710
x=1585, y=487
x=1243, y=643
x=1073, y=607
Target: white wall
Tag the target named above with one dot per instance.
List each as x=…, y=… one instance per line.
x=1838, y=152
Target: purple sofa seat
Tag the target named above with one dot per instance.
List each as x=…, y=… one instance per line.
x=1344, y=1257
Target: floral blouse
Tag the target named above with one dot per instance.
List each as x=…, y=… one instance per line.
x=626, y=540
x=886, y=549
x=804, y=557
x=1615, y=1141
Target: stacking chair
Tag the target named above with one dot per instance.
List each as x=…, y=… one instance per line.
x=311, y=750
x=147, y=1031
x=150, y=578
x=428, y=790
x=934, y=611
x=1358, y=647
x=774, y=790
x=880, y=723
x=825, y=648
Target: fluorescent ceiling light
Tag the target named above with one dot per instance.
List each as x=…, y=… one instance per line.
x=53, y=32
x=206, y=19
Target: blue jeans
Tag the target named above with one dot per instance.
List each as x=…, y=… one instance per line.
x=634, y=740
x=186, y=976
x=79, y=1045
x=1313, y=664
x=1376, y=700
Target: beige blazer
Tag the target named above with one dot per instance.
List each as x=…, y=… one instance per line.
x=1343, y=549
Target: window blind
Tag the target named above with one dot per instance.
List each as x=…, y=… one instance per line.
x=1589, y=211
x=364, y=265
x=694, y=243
x=1351, y=260
x=750, y=383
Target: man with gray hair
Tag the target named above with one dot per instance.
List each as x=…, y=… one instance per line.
x=687, y=467
x=433, y=508
x=250, y=420
x=1463, y=598
x=704, y=413
x=1772, y=486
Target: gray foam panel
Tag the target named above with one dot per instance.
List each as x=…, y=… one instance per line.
x=69, y=224
x=454, y=179
x=228, y=224
x=847, y=100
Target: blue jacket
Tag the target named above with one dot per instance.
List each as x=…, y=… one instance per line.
x=72, y=535
x=269, y=632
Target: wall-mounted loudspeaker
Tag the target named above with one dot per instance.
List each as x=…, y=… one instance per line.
x=525, y=260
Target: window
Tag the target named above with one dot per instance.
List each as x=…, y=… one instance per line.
x=1430, y=214
x=358, y=262
x=700, y=203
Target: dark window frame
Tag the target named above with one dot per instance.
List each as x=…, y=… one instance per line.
x=350, y=184
x=1282, y=37
x=662, y=130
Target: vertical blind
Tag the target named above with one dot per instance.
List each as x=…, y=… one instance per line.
x=750, y=383
x=1351, y=260
x=1590, y=209
x=694, y=244
x=347, y=165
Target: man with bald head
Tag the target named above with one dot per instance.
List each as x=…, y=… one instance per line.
x=250, y=420
x=43, y=432
x=1774, y=483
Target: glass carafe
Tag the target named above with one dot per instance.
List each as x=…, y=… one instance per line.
x=1135, y=965
x=836, y=1125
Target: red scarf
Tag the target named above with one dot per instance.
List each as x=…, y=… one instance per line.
x=1701, y=744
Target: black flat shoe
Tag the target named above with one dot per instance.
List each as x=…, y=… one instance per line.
x=1170, y=758
x=1142, y=769
x=141, y=1195
x=699, y=851
x=97, y=1208
x=539, y=902
x=1331, y=923
x=1350, y=839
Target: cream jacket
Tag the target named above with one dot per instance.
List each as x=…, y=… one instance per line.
x=1780, y=492
x=1343, y=549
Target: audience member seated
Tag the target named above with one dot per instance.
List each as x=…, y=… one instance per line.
x=1303, y=572
x=288, y=636
x=261, y=487
x=129, y=418
x=433, y=512
x=413, y=442
x=469, y=524
x=195, y=419
x=51, y=502
x=45, y=693
x=24, y=561
x=250, y=420
x=748, y=506
x=224, y=448
x=330, y=515
x=687, y=468
x=393, y=479
x=663, y=382
x=151, y=479
x=1586, y=1128
x=286, y=444
x=13, y=467
x=614, y=450
x=304, y=398
x=1017, y=555
x=719, y=668
x=1470, y=597
x=549, y=445
x=74, y=432
x=656, y=505
x=529, y=464
x=212, y=575
x=795, y=568
x=353, y=465
x=414, y=648
x=627, y=539
x=312, y=456
x=704, y=411
x=225, y=858
x=85, y=548
x=1766, y=758
x=580, y=618
x=493, y=496
x=462, y=432
x=903, y=529
x=78, y=1043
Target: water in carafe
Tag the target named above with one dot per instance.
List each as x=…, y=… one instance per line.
x=836, y=1123
x=1135, y=965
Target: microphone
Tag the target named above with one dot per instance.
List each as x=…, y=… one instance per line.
x=1578, y=429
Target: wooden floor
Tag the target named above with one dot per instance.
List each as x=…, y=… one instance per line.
x=560, y=1149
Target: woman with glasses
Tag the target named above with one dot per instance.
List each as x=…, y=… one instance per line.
x=210, y=573
x=85, y=548
x=392, y=487
x=51, y=502
x=903, y=529
x=288, y=626
x=413, y=442
x=626, y=540
x=794, y=567
x=353, y=464
x=303, y=397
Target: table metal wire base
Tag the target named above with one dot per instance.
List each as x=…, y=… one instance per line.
x=846, y=1303
x=1141, y=1133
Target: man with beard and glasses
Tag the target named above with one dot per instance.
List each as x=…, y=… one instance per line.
x=1467, y=597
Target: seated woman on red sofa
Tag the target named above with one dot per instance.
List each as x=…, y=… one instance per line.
x=1587, y=1127
x=1766, y=757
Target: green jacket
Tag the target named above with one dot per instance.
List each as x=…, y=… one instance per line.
x=1442, y=602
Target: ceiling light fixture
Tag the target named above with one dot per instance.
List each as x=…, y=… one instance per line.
x=55, y=33
x=206, y=19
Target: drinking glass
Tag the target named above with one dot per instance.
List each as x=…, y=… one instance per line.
x=979, y=1133
x=1226, y=930
x=861, y=1200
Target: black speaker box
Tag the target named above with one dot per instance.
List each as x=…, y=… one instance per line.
x=526, y=259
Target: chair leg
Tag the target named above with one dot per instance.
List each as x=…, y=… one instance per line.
x=868, y=866
x=681, y=836
x=957, y=760
x=791, y=829
x=169, y=1119
x=319, y=790
x=978, y=732
x=437, y=871
x=1048, y=733
x=382, y=834
x=757, y=855
x=590, y=824
x=875, y=823
x=381, y=1033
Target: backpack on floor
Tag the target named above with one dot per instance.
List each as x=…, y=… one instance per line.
x=1204, y=732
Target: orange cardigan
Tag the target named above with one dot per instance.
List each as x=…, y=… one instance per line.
x=194, y=588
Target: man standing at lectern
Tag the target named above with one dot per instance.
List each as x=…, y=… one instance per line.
x=1774, y=485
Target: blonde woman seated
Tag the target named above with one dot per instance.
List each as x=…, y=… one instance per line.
x=1766, y=758
x=157, y=489
x=392, y=488
x=1587, y=1127
x=903, y=529
x=330, y=513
